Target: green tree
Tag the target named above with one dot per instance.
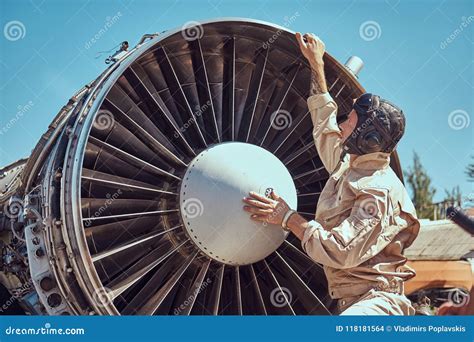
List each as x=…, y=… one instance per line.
x=420, y=184
x=454, y=196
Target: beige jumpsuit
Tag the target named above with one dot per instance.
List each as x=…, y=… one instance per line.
x=364, y=220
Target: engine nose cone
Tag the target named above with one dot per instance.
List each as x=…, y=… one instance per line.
x=211, y=201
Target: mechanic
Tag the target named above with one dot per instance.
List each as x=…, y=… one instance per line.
x=364, y=217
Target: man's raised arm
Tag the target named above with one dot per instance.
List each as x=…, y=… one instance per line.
x=326, y=133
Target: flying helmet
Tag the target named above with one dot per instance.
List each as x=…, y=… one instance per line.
x=380, y=126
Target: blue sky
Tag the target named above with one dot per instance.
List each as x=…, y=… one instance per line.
x=421, y=58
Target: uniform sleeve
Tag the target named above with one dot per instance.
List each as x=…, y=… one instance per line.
x=326, y=133
x=365, y=233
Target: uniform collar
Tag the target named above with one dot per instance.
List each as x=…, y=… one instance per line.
x=370, y=161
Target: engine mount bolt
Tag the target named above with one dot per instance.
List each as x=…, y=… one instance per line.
x=39, y=252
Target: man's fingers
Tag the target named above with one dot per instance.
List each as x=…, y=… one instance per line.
x=255, y=210
x=299, y=39
x=260, y=197
x=261, y=218
x=275, y=196
x=257, y=203
x=311, y=38
x=308, y=37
